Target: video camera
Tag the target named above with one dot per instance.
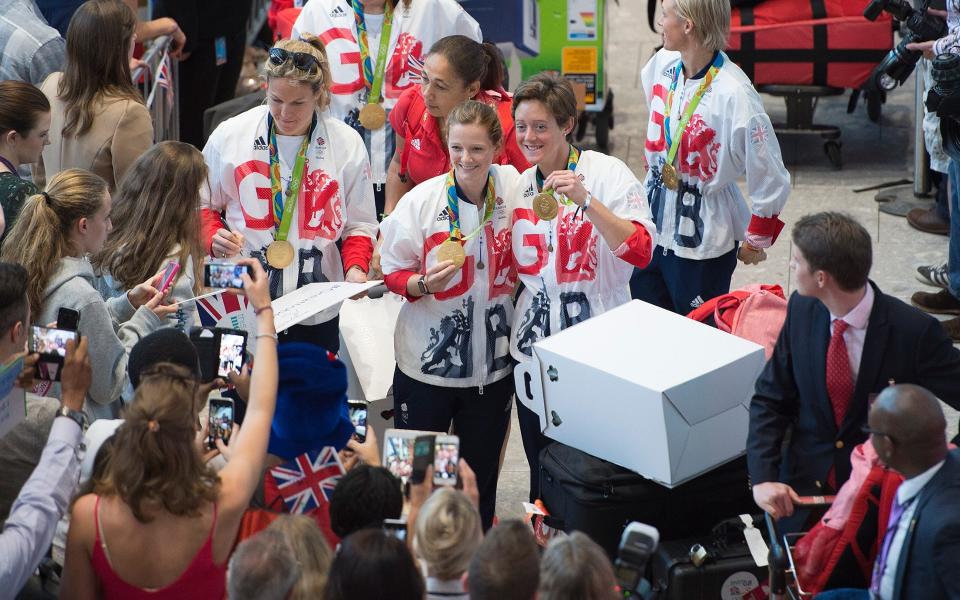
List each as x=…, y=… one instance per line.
x=637, y=544
x=919, y=26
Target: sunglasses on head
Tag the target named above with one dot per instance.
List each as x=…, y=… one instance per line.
x=301, y=60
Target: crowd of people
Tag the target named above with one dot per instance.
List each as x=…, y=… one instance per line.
x=394, y=152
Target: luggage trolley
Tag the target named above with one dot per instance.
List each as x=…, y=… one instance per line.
x=573, y=43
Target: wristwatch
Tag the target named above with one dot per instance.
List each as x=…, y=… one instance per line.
x=78, y=417
x=422, y=285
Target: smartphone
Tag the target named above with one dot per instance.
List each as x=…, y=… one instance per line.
x=169, y=274
x=220, y=421
x=446, y=455
x=233, y=348
x=397, y=528
x=422, y=457
x=224, y=275
x=358, y=416
x=51, y=345
x=398, y=452
x=68, y=318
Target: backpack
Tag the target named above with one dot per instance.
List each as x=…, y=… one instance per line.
x=755, y=313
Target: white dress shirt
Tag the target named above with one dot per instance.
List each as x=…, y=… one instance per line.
x=857, y=319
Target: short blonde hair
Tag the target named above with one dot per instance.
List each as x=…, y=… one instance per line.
x=711, y=20
x=448, y=533
x=312, y=552
x=318, y=79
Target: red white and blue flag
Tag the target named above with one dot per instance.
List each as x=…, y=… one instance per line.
x=223, y=310
x=308, y=481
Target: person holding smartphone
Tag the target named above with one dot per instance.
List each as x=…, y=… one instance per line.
x=55, y=233
x=447, y=250
x=288, y=182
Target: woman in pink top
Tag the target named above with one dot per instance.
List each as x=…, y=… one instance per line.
x=161, y=524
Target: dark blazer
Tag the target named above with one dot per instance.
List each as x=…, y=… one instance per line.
x=902, y=344
x=929, y=565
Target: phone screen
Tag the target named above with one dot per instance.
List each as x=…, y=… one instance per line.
x=231, y=353
x=221, y=421
x=68, y=318
x=173, y=267
x=396, y=528
x=358, y=416
x=398, y=452
x=445, y=457
x=224, y=275
x=49, y=341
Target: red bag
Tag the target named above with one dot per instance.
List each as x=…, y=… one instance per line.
x=755, y=313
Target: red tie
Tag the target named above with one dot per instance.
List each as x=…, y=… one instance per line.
x=839, y=375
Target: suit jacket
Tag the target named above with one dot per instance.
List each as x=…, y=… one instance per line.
x=901, y=343
x=929, y=565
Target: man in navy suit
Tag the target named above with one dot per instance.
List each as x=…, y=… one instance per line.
x=920, y=553
x=843, y=341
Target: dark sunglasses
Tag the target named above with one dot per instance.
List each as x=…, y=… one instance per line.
x=301, y=60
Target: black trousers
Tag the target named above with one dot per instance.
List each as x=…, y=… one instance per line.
x=203, y=83
x=533, y=442
x=480, y=421
x=325, y=335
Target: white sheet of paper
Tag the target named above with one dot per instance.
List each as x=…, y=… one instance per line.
x=367, y=326
x=303, y=303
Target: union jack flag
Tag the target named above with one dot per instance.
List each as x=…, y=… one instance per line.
x=308, y=481
x=758, y=134
x=223, y=310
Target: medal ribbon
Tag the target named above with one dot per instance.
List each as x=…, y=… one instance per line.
x=691, y=106
x=572, y=159
x=283, y=206
x=373, y=79
x=453, y=208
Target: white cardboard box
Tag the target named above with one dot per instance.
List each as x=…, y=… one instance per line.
x=644, y=388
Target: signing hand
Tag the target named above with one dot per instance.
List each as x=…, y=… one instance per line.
x=775, y=498
x=226, y=243
x=568, y=184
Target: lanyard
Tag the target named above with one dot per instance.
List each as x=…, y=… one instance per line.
x=572, y=159
x=373, y=79
x=9, y=166
x=453, y=208
x=283, y=207
x=691, y=106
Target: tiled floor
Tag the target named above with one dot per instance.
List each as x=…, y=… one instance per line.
x=872, y=154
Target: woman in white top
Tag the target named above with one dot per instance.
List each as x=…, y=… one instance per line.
x=707, y=128
x=376, y=49
x=287, y=182
x=446, y=248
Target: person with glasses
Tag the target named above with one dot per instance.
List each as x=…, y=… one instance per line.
x=843, y=341
x=375, y=49
x=290, y=186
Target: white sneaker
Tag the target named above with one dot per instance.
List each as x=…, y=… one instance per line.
x=934, y=275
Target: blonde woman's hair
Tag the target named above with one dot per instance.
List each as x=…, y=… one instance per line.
x=312, y=552
x=448, y=533
x=41, y=235
x=574, y=567
x=711, y=20
x=156, y=207
x=319, y=80
x=473, y=112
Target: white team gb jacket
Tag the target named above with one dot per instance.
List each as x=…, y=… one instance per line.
x=335, y=199
x=729, y=135
x=580, y=277
x=458, y=337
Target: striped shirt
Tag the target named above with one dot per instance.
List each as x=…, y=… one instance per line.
x=29, y=48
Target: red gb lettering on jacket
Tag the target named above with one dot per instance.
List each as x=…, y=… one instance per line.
x=321, y=209
x=466, y=274
x=531, y=242
x=347, y=71
x=576, y=249
x=656, y=138
x=252, y=179
x=405, y=66
x=501, y=272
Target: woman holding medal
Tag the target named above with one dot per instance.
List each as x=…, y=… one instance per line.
x=446, y=248
x=580, y=226
x=290, y=182
x=707, y=128
x=387, y=38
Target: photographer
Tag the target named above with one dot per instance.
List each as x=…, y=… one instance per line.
x=29, y=529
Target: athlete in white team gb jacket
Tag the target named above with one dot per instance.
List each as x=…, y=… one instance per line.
x=287, y=181
x=707, y=128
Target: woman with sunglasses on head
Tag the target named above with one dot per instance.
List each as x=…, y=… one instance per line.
x=707, y=128
x=580, y=225
x=446, y=248
x=288, y=182
x=386, y=39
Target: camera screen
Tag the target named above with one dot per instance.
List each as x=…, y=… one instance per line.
x=221, y=422
x=397, y=530
x=358, y=416
x=225, y=275
x=231, y=354
x=50, y=341
x=445, y=459
x=399, y=455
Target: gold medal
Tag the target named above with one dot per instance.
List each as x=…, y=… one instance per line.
x=372, y=116
x=280, y=254
x=545, y=206
x=452, y=250
x=669, y=177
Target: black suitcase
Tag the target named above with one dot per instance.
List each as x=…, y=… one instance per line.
x=729, y=571
x=599, y=498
